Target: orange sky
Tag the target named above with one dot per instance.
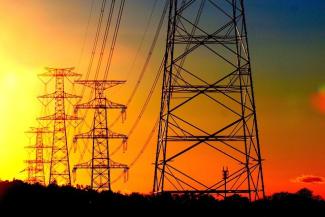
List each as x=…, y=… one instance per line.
x=36, y=34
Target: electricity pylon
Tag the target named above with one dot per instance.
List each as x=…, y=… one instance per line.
x=208, y=115
x=100, y=163
x=35, y=166
x=59, y=165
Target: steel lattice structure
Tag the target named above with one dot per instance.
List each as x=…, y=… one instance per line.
x=100, y=163
x=208, y=115
x=59, y=163
x=35, y=166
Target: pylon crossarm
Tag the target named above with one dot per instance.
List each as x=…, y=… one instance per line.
x=113, y=135
x=36, y=161
x=206, y=138
x=91, y=135
x=59, y=117
x=58, y=94
x=38, y=146
x=104, y=104
x=198, y=39
x=114, y=105
x=85, y=165
x=59, y=72
x=101, y=84
x=205, y=88
x=87, y=105
x=38, y=130
x=87, y=135
x=29, y=169
x=115, y=165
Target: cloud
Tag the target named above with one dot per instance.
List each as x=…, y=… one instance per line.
x=310, y=179
x=317, y=100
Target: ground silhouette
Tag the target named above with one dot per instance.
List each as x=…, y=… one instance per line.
x=17, y=196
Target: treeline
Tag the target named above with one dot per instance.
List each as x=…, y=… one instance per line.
x=17, y=196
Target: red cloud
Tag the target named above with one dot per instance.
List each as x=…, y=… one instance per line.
x=318, y=101
x=310, y=179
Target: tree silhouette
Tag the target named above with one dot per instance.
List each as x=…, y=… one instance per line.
x=29, y=198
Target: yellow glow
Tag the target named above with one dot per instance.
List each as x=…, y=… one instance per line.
x=17, y=91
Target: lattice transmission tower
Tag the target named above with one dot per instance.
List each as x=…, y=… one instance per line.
x=100, y=163
x=35, y=166
x=59, y=163
x=208, y=115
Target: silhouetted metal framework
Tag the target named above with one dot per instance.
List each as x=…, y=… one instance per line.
x=35, y=166
x=59, y=165
x=207, y=103
x=100, y=163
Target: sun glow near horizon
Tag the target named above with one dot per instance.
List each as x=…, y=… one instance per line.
x=17, y=89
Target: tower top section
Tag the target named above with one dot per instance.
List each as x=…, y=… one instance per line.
x=60, y=72
x=100, y=84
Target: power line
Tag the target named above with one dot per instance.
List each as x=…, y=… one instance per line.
x=106, y=31
x=117, y=27
x=144, y=106
x=86, y=34
x=105, y=37
x=152, y=47
x=144, y=147
x=107, y=28
x=143, y=37
x=144, y=68
x=93, y=52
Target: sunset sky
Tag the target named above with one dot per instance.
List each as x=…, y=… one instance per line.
x=287, y=48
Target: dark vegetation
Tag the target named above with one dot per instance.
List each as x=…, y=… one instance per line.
x=17, y=196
